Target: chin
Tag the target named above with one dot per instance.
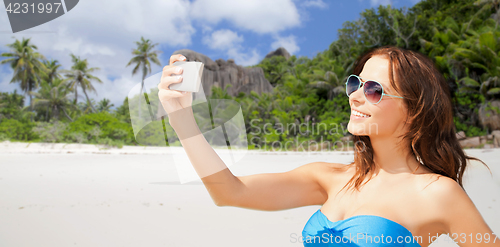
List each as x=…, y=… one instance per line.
x=356, y=129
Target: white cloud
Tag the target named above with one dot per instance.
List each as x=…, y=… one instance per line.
x=205, y=28
x=230, y=42
x=104, y=32
x=105, y=37
x=380, y=2
x=315, y=3
x=244, y=58
x=260, y=16
x=222, y=39
x=119, y=86
x=288, y=42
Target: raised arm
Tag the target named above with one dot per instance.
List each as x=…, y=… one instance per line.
x=276, y=191
x=271, y=191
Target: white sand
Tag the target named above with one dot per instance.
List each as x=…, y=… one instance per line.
x=132, y=197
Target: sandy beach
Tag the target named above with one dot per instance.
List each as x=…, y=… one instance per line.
x=83, y=195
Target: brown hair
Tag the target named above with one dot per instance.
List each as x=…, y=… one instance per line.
x=431, y=135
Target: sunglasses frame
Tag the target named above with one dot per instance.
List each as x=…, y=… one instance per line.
x=362, y=83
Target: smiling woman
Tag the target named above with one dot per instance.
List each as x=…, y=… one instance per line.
x=405, y=184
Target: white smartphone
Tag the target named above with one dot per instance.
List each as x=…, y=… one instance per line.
x=191, y=76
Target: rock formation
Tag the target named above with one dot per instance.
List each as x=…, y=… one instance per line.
x=490, y=118
x=222, y=73
x=279, y=52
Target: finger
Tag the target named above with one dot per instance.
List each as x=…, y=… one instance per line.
x=169, y=80
x=169, y=94
x=177, y=57
x=170, y=70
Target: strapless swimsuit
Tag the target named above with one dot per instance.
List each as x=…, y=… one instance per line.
x=359, y=230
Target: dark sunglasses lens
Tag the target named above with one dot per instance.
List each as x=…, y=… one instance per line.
x=373, y=91
x=352, y=85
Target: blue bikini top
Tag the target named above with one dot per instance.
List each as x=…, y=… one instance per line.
x=359, y=230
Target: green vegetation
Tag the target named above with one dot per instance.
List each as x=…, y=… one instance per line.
x=308, y=103
x=462, y=37
x=27, y=65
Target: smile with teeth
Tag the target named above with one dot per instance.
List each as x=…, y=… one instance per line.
x=359, y=114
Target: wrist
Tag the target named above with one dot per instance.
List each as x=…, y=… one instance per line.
x=183, y=123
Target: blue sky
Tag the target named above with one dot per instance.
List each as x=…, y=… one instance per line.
x=318, y=27
x=104, y=32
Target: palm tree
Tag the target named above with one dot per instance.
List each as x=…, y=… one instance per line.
x=328, y=74
x=80, y=76
x=278, y=73
x=52, y=70
x=27, y=65
x=54, y=96
x=104, y=105
x=143, y=54
x=328, y=80
x=86, y=107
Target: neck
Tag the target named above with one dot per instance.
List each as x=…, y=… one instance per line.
x=389, y=157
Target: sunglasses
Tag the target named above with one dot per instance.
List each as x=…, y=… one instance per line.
x=372, y=90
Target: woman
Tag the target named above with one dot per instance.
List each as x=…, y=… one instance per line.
x=404, y=187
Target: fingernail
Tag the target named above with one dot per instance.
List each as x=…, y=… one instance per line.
x=184, y=92
x=178, y=69
x=178, y=77
x=183, y=58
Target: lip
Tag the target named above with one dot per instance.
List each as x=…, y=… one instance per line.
x=359, y=111
x=354, y=117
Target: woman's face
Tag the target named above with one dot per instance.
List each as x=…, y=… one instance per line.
x=385, y=118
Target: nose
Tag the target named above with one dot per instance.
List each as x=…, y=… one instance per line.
x=357, y=96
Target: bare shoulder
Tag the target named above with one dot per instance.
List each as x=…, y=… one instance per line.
x=446, y=198
x=441, y=188
x=450, y=205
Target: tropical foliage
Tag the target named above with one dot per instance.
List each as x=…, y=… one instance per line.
x=80, y=77
x=307, y=105
x=26, y=63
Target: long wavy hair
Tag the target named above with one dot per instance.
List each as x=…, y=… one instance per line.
x=431, y=133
